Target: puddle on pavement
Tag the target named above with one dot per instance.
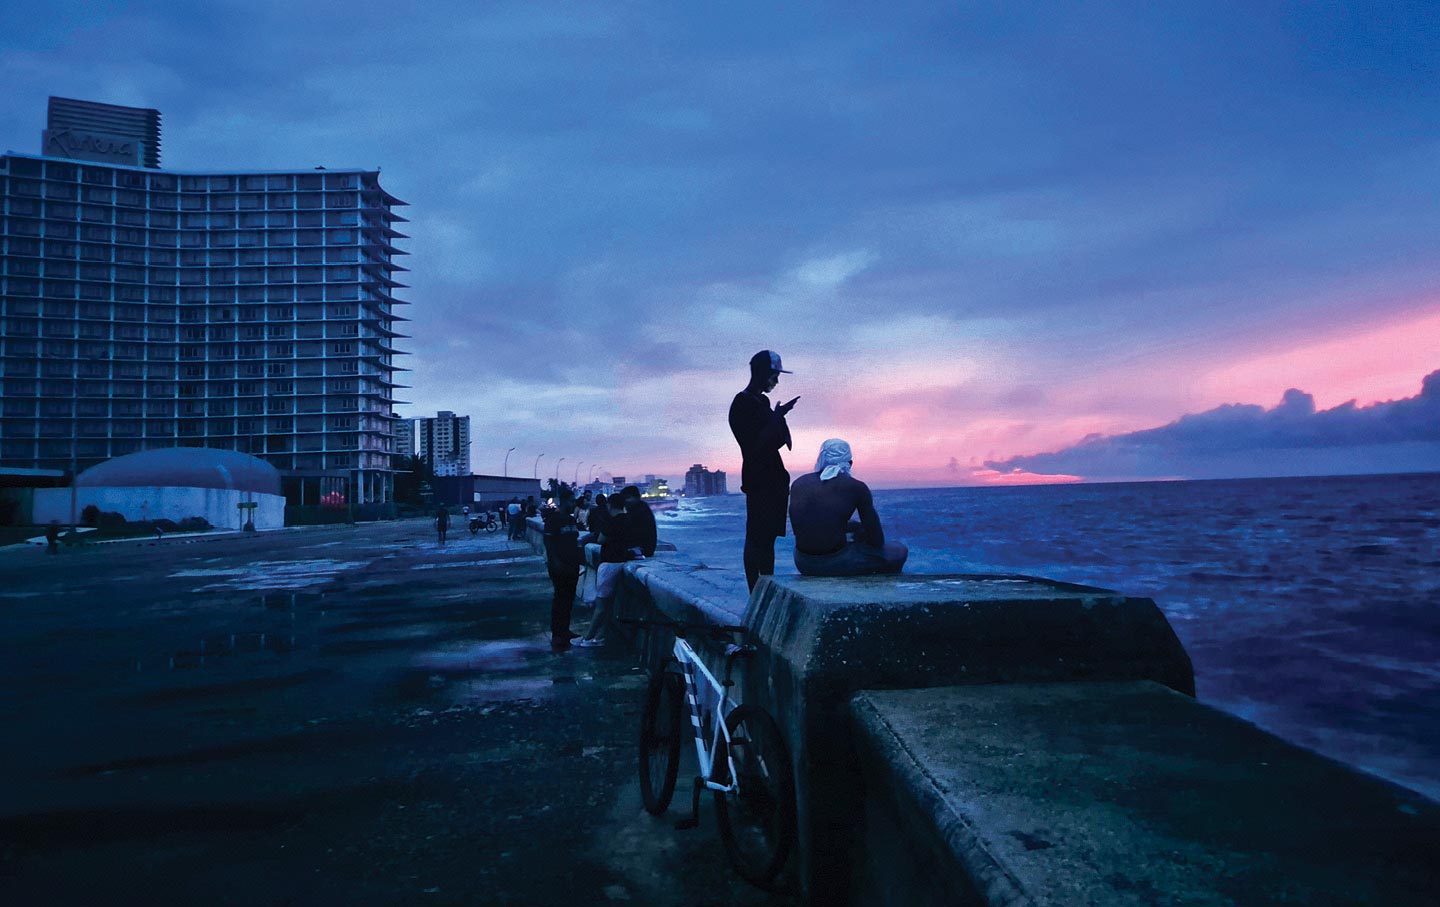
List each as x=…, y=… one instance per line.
x=264, y=575
x=487, y=655
x=288, y=600
x=212, y=649
x=490, y=562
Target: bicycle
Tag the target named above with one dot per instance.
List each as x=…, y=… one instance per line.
x=742, y=756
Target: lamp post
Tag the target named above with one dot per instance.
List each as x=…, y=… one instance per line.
x=535, y=471
x=592, y=473
x=575, y=479
x=507, y=463
x=557, y=469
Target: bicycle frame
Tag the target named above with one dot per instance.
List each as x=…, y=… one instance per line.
x=708, y=701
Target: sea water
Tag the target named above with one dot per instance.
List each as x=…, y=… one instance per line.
x=1309, y=606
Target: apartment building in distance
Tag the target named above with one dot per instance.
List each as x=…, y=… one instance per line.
x=147, y=308
x=404, y=439
x=701, y=482
x=444, y=443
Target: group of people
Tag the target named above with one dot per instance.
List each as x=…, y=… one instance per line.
x=607, y=531
x=512, y=514
x=820, y=503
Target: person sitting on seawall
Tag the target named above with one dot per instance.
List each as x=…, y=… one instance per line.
x=821, y=504
x=617, y=545
x=642, y=520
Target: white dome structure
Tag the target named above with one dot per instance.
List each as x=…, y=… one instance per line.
x=227, y=488
x=185, y=467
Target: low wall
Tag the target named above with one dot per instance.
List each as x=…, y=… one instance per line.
x=1119, y=793
x=1009, y=740
x=137, y=504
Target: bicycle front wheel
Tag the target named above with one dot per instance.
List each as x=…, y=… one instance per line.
x=757, y=817
x=662, y=728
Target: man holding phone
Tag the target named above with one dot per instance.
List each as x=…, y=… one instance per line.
x=761, y=432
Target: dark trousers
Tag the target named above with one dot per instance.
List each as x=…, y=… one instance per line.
x=759, y=557
x=564, y=580
x=764, y=523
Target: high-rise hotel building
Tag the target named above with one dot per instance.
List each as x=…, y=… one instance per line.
x=144, y=308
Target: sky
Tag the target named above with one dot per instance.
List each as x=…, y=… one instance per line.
x=997, y=243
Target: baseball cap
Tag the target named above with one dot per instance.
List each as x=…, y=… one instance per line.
x=768, y=359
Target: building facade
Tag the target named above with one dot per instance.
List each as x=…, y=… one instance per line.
x=143, y=308
x=404, y=439
x=444, y=443
x=701, y=482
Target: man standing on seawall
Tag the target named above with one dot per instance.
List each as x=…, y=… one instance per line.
x=761, y=432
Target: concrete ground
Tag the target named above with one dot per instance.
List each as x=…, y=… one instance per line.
x=333, y=715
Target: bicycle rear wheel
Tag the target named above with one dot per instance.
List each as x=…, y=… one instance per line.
x=662, y=728
x=757, y=820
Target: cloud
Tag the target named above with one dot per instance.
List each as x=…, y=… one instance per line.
x=1291, y=438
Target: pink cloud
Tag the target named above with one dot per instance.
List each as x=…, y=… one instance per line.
x=1380, y=362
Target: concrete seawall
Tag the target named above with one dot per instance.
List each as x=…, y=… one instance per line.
x=1009, y=740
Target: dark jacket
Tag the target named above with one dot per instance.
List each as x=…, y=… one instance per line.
x=617, y=539
x=642, y=524
x=562, y=548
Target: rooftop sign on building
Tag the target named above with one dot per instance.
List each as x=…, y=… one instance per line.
x=90, y=146
x=105, y=133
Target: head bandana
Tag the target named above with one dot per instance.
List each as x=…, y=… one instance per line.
x=834, y=459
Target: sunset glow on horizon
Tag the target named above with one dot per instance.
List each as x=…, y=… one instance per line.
x=995, y=246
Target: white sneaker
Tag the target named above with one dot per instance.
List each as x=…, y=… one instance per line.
x=587, y=643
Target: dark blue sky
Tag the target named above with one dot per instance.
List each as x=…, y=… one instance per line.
x=977, y=232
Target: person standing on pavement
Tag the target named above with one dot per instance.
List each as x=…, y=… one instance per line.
x=442, y=523
x=761, y=432
x=562, y=561
x=513, y=518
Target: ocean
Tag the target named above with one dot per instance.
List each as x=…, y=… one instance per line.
x=1309, y=606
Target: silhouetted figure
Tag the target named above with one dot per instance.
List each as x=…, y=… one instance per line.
x=642, y=520
x=562, y=561
x=761, y=432
x=442, y=523
x=821, y=504
x=617, y=545
x=52, y=537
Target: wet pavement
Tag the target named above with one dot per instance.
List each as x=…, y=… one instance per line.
x=334, y=715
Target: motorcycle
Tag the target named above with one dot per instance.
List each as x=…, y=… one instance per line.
x=484, y=521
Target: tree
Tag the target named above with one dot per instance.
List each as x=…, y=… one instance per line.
x=414, y=474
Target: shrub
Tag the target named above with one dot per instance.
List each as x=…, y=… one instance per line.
x=110, y=520
x=90, y=516
x=194, y=524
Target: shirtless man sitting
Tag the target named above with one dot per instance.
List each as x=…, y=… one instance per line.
x=821, y=504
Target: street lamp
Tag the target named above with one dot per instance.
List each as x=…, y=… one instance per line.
x=507, y=463
x=535, y=471
x=575, y=479
x=557, y=469
x=592, y=473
